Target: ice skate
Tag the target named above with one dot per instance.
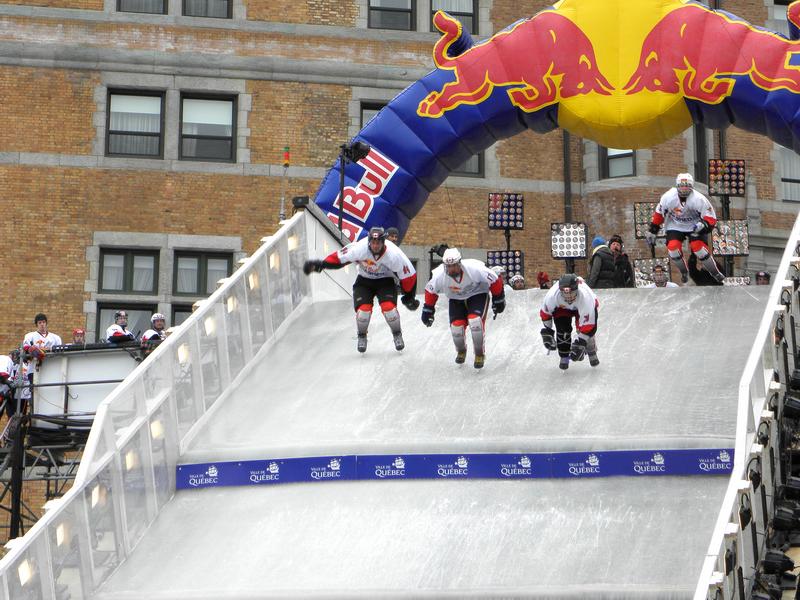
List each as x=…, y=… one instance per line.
x=479, y=360
x=362, y=342
x=398, y=341
x=461, y=356
x=564, y=363
x=593, y=360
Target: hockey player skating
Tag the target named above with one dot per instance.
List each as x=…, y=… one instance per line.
x=570, y=299
x=685, y=212
x=467, y=284
x=378, y=262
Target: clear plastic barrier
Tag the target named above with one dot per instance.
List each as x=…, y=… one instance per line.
x=127, y=474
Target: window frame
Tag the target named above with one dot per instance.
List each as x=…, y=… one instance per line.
x=161, y=94
x=100, y=328
x=127, y=271
x=229, y=13
x=233, y=99
x=202, y=271
x=164, y=9
x=412, y=11
x=473, y=14
x=176, y=308
x=605, y=165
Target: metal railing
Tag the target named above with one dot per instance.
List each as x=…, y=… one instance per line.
x=739, y=541
x=127, y=474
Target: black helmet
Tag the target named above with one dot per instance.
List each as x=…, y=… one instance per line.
x=377, y=233
x=568, y=284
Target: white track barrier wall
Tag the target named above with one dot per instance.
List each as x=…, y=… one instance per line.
x=738, y=543
x=127, y=473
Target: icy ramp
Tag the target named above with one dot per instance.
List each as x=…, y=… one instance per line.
x=670, y=366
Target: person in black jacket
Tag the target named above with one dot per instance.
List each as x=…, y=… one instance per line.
x=623, y=270
x=601, y=266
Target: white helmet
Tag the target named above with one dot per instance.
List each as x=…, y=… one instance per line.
x=498, y=270
x=451, y=256
x=156, y=317
x=684, y=183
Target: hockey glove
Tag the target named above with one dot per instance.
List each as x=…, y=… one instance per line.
x=409, y=301
x=427, y=314
x=578, y=349
x=312, y=265
x=498, y=304
x=700, y=228
x=548, y=338
x=651, y=233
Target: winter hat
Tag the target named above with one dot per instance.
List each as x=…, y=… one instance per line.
x=615, y=238
x=598, y=241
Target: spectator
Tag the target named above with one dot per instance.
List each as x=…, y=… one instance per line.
x=543, y=279
x=762, y=278
x=7, y=370
x=601, y=265
x=118, y=332
x=393, y=235
x=517, y=282
x=660, y=278
x=623, y=270
x=78, y=337
x=158, y=323
x=700, y=275
x=37, y=343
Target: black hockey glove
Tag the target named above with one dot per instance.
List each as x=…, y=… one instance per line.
x=548, y=338
x=314, y=265
x=427, y=314
x=700, y=228
x=651, y=233
x=578, y=349
x=409, y=301
x=498, y=304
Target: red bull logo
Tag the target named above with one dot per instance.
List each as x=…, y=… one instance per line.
x=673, y=59
x=540, y=61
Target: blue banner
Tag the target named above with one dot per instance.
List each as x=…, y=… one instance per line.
x=618, y=463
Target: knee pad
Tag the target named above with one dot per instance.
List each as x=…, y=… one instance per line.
x=675, y=254
x=365, y=308
x=459, y=334
x=476, y=328
x=387, y=305
x=674, y=246
x=700, y=249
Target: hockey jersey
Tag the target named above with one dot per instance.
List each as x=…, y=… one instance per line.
x=392, y=261
x=117, y=334
x=151, y=335
x=34, y=339
x=682, y=217
x=584, y=305
x=476, y=278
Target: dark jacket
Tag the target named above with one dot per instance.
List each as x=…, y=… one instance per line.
x=701, y=276
x=623, y=271
x=601, y=268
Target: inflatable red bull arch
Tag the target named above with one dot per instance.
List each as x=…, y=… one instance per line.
x=624, y=74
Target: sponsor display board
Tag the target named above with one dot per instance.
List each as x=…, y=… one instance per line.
x=633, y=463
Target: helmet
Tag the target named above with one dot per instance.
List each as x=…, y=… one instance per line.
x=377, y=233
x=156, y=317
x=498, y=270
x=568, y=284
x=451, y=256
x=684, y=183
x=517, y=280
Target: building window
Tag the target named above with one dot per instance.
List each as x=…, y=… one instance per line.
x=617, y=163
x=157, y=7
x=473, y=167
x=180, y=312
x=790, y=174
x=207, y=131
x=465, y=11
x=135, y=124
x=197, y=273
x=219, y=9
x=138, y=318
x=128, y=271
x=392, y=14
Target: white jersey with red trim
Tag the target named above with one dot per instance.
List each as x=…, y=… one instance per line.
x=476, y=278
x=683, y=217
x=6, y=366
x=585, y=305
x=43, y=342
x=151, y=335
x=115, y=333
x=392, y=261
